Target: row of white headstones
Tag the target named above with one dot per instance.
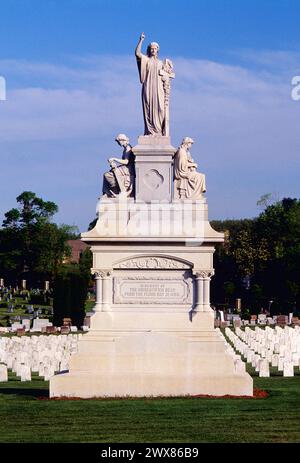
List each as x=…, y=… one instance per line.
x=45, y=355
x=278, y=347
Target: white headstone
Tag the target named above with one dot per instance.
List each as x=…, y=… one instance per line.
x=269, y=354
x=39, y=323
x=16, y=326
x=275, y=359
x=25, y=373
x=9, y=361
x=280, y=363
x=262, y=318
x=46, y=374
x=26, y=323
x=239, y=366
x=3, y=373
x=264, y=370
x=250, y=355
x=276, y=348
x=288, y=369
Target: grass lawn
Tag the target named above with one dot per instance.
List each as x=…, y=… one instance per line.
x=25, y=417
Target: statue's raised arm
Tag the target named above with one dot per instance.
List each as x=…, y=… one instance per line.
x=155, y=79
x=138, y=50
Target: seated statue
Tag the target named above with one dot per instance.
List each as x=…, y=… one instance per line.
x=188, y=183
x=120, y=179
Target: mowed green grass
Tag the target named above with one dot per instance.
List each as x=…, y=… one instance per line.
x=26, y=417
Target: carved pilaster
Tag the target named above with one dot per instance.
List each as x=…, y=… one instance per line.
x=103, y=289
x=204, y=274
x=202, y=282
x=106, y=289
x=101, y=273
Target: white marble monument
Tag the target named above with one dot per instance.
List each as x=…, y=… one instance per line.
x=152, y=331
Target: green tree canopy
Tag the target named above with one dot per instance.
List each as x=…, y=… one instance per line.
x=31, y=245
x=32, y=210
x=261, y=257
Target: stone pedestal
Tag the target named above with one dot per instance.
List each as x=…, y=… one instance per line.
x=152, y=332
x=151, y=354
x=153, y=167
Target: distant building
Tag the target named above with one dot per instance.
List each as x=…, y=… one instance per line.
x=77, y=248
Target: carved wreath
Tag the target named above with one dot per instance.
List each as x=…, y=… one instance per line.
x=152, y=263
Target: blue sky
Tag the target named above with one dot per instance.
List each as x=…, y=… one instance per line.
x=72, y=85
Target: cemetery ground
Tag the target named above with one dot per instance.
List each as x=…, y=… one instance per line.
x=27, y=415
x=20, y=304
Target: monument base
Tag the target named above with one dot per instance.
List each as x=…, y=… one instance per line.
x=152, y=333
x=151, y=355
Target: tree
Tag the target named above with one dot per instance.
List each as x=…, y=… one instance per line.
x=261, y=258
x=69, y=296
x=265, y=200
x=86, y=263
x=31, y=246
x=234, y=262
x=32, y=210
x=279, y=225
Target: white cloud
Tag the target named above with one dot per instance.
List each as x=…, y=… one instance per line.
x=273, y=60
x=243, y=120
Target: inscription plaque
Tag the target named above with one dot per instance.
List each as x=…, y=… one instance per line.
x=132, y=290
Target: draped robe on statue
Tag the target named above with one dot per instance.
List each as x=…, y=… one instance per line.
x=188, y=184
x=121, y=178
x=153, y=96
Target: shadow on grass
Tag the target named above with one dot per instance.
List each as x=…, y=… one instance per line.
x=30, y=392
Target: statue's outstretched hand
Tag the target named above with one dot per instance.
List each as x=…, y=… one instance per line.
x=142, y=37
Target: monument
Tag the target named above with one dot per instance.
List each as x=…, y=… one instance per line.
x=152, y=332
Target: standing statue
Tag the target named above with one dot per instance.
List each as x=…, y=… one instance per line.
x=188, y=183
x=120, y=179
x=155, y=79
